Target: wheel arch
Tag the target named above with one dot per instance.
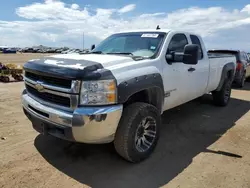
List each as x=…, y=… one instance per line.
x=146, y=88
x=228, y=71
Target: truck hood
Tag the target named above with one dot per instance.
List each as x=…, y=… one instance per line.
x=76, y=66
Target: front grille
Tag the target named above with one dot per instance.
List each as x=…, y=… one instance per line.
x=48, y=97
x=59, y=82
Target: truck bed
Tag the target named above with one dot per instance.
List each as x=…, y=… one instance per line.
x=219, y=55
x=217, y=62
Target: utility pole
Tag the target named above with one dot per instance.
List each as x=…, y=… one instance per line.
x=83, y=40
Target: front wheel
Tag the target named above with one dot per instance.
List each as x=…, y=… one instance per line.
x=222, y=97
x=138, y=132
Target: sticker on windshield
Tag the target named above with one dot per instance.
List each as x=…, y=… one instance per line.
x=150, y=35
x=152, y=47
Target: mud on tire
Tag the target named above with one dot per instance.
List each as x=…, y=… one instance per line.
x=138, y=132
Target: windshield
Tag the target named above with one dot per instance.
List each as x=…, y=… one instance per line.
x=137, y=44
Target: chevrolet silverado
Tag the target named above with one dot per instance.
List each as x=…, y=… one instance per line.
x=118, y=91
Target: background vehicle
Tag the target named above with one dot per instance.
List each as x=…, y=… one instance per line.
x=28, y=50
x=243, y=65
x=10, y=51
x=118, y=91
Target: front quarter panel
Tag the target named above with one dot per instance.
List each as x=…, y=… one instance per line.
x=136, y=84
x=137, y=79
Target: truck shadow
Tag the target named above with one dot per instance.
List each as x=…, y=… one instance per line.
x=186, y=131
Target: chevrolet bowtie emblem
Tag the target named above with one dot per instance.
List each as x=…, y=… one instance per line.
x=39, y=87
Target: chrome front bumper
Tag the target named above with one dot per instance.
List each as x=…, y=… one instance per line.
x=85, y=124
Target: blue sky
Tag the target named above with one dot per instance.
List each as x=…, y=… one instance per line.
x=222, y=23
x=8, y=9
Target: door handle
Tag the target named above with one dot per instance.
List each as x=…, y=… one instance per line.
x=191, y=69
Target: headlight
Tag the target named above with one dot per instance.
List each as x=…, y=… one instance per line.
x=98, y=92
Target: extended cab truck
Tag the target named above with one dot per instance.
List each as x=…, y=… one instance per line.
x=118, y=91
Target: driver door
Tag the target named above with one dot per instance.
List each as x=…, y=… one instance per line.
x=176, y=77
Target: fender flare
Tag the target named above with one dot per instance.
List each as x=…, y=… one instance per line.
x=224, y=75
x=144, y=82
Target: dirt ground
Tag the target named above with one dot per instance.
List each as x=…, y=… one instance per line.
x=200, y=146
x=20, y=58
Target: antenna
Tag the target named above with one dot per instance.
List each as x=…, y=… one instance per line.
x=158, y=27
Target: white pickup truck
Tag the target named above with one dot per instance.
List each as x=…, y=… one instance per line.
x=118, y=91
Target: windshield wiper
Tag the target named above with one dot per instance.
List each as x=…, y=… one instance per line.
x=122, y=53
x=129, y=53
x=96, y=52
x=139, y=57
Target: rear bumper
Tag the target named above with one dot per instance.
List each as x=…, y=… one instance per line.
x=85, y=124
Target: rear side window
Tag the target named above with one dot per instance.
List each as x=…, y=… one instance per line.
x=242, y=56
x=177, y=43
x=248, y=59
x=195, y=40
x=246, y=56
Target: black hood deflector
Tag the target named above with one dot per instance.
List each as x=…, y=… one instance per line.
x=89, y=70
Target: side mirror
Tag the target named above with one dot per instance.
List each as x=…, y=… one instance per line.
x=92, y=47
x=173, y=57
x=191, y=53
x=170, y=57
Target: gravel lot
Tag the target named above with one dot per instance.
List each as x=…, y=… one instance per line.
x=200, y=146
x=20, y=58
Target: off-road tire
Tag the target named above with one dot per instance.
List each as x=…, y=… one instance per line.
x=241, y=82
x=222, y=97
x=125, y=136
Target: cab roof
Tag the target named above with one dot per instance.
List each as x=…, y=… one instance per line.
x=145, y=30
x=156, y=30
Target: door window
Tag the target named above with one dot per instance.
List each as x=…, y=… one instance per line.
x=177, y=43
x=195, y=40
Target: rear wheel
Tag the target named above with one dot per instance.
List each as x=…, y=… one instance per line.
x=138, y=132
x=241, y=82
x=222, y=97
